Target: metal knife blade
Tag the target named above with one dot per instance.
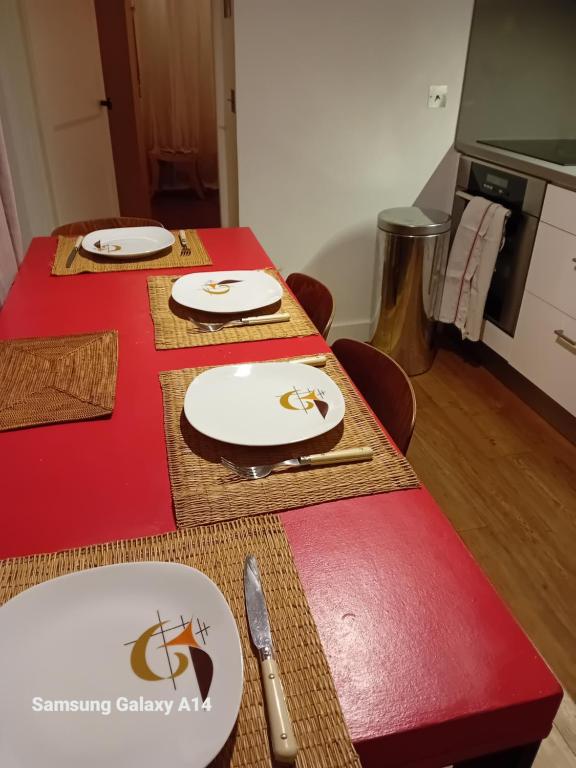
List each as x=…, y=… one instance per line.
x=73, y=253
x=256, y=610
x=282, y=740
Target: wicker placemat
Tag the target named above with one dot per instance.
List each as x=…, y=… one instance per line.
x=219, y=552
x=89, y=262
x=206, y=492
x=173, y=328
x=55, y=379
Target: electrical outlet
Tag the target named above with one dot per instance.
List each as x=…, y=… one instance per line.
x=437, y=96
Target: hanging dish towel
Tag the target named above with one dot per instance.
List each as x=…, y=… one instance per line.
x=471, y=265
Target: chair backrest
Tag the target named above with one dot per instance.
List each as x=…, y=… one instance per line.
x=383, y=384
x=315, y=298
x=90, y=225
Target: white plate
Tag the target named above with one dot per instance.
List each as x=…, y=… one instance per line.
x=72, y=640
x=263, y=403
x=223, y=292
x=128, y=242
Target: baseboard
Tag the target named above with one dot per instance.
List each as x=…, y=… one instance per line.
x=557, y=416
x=360, y=330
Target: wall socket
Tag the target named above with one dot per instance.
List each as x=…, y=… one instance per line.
x=437, y=96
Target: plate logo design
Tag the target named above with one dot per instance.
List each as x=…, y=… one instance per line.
x=165, y=659
x=108, y=247
x=218, y=288
x=305, y=400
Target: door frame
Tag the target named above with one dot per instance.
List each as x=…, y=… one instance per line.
x=225, y=85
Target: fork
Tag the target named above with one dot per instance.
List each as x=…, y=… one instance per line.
x=184, y=247
x=259, y=471
x=279, y=317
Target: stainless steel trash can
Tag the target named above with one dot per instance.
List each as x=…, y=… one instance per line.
x=413, y=247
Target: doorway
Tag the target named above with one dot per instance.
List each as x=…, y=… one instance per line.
x=168, y=69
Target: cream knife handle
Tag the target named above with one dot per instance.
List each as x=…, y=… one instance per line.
x=315, y=360
x=338, y=457
x=279, y=317
x=282, y=739
x=78, y=241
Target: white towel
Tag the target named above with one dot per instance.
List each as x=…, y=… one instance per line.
x=471, y=265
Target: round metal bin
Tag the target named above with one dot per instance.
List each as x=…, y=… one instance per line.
x=413, y=247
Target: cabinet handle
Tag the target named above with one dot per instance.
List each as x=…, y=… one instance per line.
x=567, y=339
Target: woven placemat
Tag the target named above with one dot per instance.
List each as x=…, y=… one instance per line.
x=56, y=379
x=89, y=262
x=173, y=328
x=204, y=491
x=219, y=551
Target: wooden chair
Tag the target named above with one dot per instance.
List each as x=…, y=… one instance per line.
x=89, y=225
x=315, y=298
x=384, y=386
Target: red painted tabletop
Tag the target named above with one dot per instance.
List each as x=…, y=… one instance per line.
x=429, y=665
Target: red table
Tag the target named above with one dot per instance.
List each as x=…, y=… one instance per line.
x=430, y=667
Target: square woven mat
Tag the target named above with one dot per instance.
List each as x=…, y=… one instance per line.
x=56, y=379
x=173, y=328
x=204, y=491
x=89, y=262
x=219, y=552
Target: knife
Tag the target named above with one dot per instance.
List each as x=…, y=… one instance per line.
x=74, y=252
x=282, y=739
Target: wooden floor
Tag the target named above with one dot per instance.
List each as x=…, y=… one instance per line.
x=507, y=482
x=182, y=208
x=559, y=749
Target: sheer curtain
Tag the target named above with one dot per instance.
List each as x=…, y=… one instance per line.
x=10, y=238
x=175, y=54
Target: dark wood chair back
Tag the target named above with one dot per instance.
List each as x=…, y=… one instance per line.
x=90, y=225
x=315, y=298
x=383, y=384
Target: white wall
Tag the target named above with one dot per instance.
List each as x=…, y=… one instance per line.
x=21, y=129
x=333, y=126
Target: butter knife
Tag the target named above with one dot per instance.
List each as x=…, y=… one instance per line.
x=74, y=252
x=282, y=739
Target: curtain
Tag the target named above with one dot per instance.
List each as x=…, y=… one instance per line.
x=10, y=237
x=175, y=54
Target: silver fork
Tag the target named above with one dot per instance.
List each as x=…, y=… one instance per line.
x=258, y=471
x=184, y=247
x=279, y=317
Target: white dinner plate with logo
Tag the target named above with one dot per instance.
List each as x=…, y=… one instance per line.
x=135, y=665
x=127, y=242
x=227, y=292
x=263, y=403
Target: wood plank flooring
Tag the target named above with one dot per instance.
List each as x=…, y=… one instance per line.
x=507, y=482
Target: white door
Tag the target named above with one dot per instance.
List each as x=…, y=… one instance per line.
x=225, y=80
x=64, y=53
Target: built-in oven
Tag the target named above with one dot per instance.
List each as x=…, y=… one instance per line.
x=523, y=196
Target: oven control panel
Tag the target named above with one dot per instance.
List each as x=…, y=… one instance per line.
x=497, y=185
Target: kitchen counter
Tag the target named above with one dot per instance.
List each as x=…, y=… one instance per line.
x=560, y=175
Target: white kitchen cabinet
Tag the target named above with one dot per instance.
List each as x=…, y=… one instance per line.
x=552, y=275
x=541, y=355
x=496, y=339
x=559, y=208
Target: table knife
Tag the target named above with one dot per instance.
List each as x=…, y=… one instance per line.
x=282, y=739
x=74, y=252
